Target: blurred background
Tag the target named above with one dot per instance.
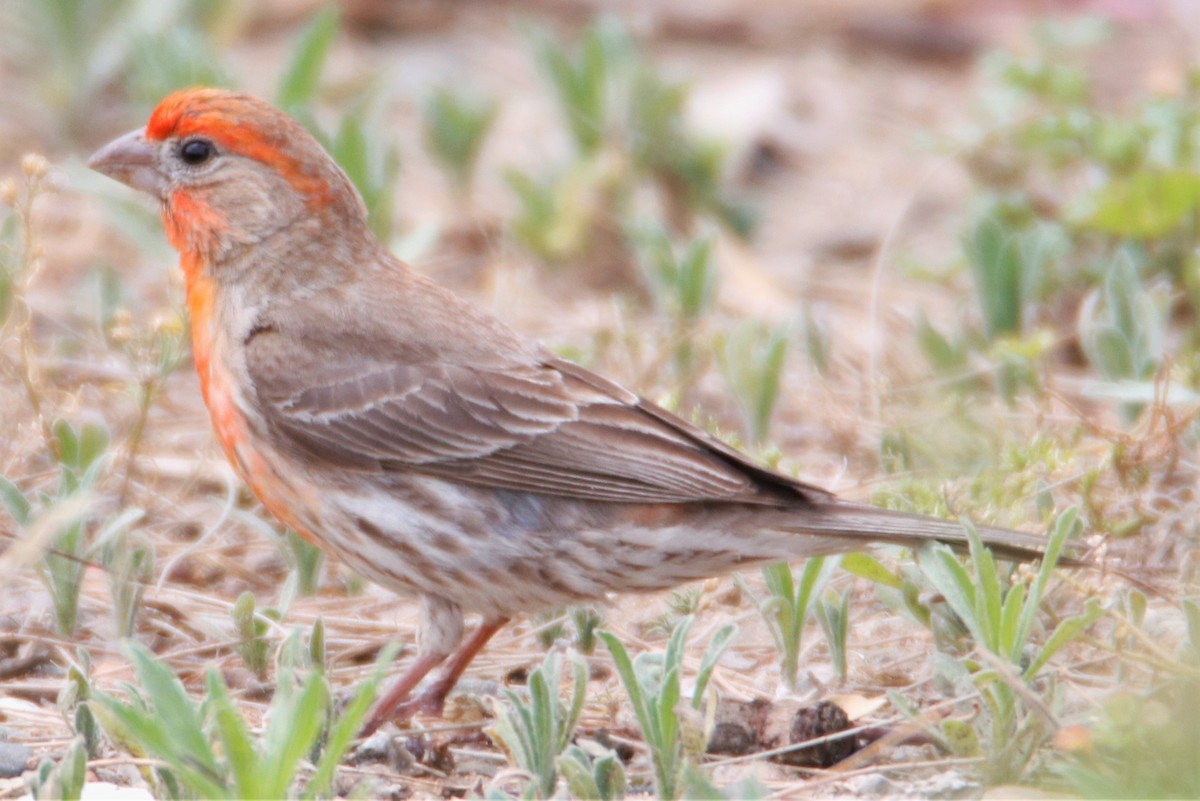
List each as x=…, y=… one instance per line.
x=936, y=254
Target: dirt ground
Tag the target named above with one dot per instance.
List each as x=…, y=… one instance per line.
x=841, y=120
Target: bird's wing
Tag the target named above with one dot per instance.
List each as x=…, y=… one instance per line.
x=543, y=426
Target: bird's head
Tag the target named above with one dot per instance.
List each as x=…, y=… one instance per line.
x=231, y=171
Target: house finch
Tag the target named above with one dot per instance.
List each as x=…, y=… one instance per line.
x=426, y=444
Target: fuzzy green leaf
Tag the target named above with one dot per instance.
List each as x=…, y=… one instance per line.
x=868, y=567
x=15, y=501
x=302, y=76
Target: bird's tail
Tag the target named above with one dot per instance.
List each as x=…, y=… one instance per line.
x=850, y=521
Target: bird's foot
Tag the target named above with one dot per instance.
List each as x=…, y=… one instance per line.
x=430, y=702
x=399, y=703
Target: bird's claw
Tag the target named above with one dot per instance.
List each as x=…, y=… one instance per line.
x=430, y=702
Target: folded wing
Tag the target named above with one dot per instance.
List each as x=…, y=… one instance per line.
x=546, y=426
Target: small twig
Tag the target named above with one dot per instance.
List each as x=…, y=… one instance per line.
x=148, y=388
x=35, y=168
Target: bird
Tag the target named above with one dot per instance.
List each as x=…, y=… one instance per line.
x=421, y=440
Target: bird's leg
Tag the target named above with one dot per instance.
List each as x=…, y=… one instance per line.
x=431, y=699
x=400, y=690
x=439, y=636
x=439, y=633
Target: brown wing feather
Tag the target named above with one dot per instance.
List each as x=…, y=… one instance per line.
x=549, y=427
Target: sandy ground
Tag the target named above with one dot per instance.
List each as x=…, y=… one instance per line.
x=841, y=120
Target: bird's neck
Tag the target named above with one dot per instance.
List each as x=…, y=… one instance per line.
x=194, y=228
x=201, y=303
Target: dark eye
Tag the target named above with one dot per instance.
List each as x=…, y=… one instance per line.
x=196, y=151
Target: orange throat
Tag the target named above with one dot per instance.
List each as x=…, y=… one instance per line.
x=215, y=382
x=193, y=227
x=218, y=386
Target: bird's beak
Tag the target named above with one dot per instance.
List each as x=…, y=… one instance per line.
x=131, y=160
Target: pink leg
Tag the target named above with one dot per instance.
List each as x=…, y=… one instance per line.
x=400, y=690
x=397, y=704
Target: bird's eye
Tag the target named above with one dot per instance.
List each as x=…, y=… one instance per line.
x=196, y=151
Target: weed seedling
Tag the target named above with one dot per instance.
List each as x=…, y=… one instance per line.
x=653, y=683
x=786, y=607
x=455, y=127
x=599, y=777
x=64, y=780
x=1002, y=622
x=752, y=357
x=209, y=750
x=534, y=733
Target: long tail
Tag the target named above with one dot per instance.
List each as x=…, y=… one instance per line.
x=850, y=521
x=856, y=521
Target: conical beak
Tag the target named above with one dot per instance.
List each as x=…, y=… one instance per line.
x=131, y=160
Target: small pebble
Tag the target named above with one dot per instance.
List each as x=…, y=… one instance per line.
x=871, y=785
x=14, y=759
x=374, y=749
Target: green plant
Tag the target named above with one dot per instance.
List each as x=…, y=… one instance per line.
x=210, y=751
x=149, y=47
x=559, y=215
x=128, y=559
x=683, y=281
x=1002, y=621
x=990, y=641
x=66, y=779
x=634, y=157
x=154, y=353
x=1191, y=613
x=71, y=698
x=300, y=80
x=81, y=462
x=1122, y=326
x=1140, y=745
x=752, y=357
x=455, y=127
x=551, y=627
x=1085, y=227
x=833, y=612
x=1009, y=256
x=178, y=56
x=682, y=603
x=251, y=628
x=786, y=607
x=586, y=620
x=587, y=83
x=697, y=784
x=1089, y=213
x=592, y=777
x=57, y=524
x=533, y=734
x=817, y=342
x=900, y=591
x=652, y=682
x=687, y=170
x=305, y=559
x=372, y=164
x=947, y=355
